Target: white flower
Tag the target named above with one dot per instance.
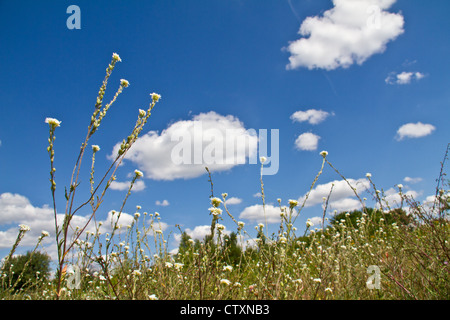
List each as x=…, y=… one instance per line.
x=44, y=233
x=283, y=239
x=137, y=215
x=95, y=148
x=169, y=265
x=228, y=268
x=293, y=203
x=124, y=83
x=328, y=290
x=136, y=273
x=142, y=113
x=368, y=174
x=400, y=186
x=297, y=281
x=241, y=224
x=153, y=297
x=220, y=226
x=24, y=227
x=116, y=57
x=224, y=195
x=138, y=207
x=215, y=211
x=53, y=122
x=309, y=223
x=138, y=173
x=261, y=225
x=263, y=159
x=158, y=231
x=178, y=266
x=324, y=153
x=225, y=281
x=155, y=96
x=318, y=280
x=216, y=202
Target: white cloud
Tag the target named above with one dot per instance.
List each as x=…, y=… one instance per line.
x=414, y=130
x=139, y=185
x=316, y=221
x=313, y=116
x=256, y=213
x=412, y=180
x=199, y=232
x=403, y=77
x=184, y=149
x=163, y=203
x=233, y=200
x=346, y=204
x=307, y=141
x=351, y=31
x=341, y=195
x=393, y=199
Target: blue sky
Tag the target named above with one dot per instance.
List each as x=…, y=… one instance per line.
x=373, y=73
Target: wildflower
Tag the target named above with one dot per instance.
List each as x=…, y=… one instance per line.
x=297, y=281
x=153, y=297
x=293, y=203
x=241, y=224
x=318, y=280
x=137, y=215
x=324, y=153
x=124, y=83
x=24, y=227
x=237, y=284
x=263, y=159
x=228, y=268
x=142, y=113
x=155, y=96
x=329, y=290
x=169, y=265
x=400, y=186
x=95, y=148
x=261, y=225
x=225, y=281
x=53, y=122
x=138, y=174
x=220, y=226
x=216, y=202
x=283, y=239
x=44, y=233
x=368, y=175
x=136, y=273
x=215, y=211
x=158, y=231
x=224, y=195
x=116, y=57
x=309, y=223
x=178, y=266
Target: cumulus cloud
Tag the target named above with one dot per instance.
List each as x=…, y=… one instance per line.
x=139, y=185
x=414, y=130
x=256, y=213
x=350, y=32
x=163, y=203
x=403, y=77
x=312, y=116
x=342, y=196
x=184, y=149
x=307, y=141
x=17, y=209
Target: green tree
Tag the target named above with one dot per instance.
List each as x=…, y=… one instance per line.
x=23, y=271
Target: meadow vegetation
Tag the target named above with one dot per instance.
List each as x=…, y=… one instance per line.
x=380, y=252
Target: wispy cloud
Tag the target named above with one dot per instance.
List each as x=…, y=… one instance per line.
x=350, y=32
